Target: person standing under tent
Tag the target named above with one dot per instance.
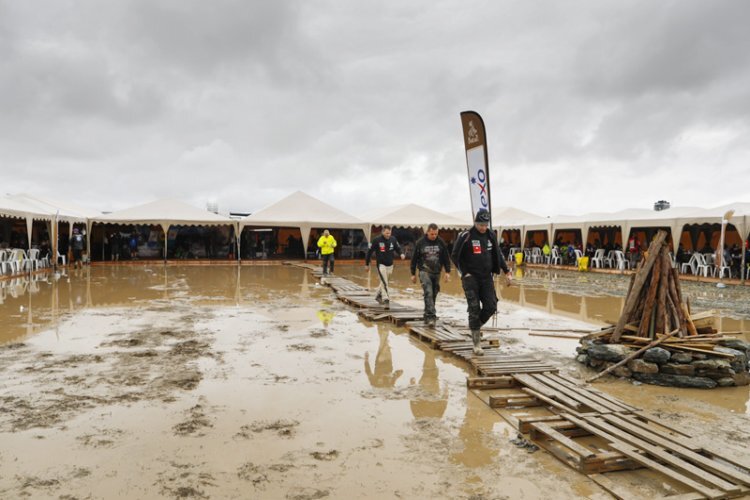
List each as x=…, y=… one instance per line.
x=430, y=256
x=327, y=244
x=477, y=257
x=77, y=244
x=384, y=246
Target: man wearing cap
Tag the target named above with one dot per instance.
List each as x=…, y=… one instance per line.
x=477, y=257
x=77, y=245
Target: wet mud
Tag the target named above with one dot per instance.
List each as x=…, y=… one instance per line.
x=217, y=382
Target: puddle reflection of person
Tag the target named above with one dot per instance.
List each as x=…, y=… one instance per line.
x=383, y=375
x=325, y=317
x=476, y=428
x=432, y=402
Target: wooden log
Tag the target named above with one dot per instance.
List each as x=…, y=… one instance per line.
x=661, y=325
x=690, y=325
x=677, y=301
x=632, y=356
x=645, y=328
x=640, y=280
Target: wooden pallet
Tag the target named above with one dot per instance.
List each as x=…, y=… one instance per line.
x=494, y=363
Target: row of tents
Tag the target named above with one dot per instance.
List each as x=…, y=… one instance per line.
x=304, y=212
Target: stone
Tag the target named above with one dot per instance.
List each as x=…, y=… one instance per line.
x=582, y=358
x=656, y=355
x=681, y=357
x=725, y=382
x=738, y=362
x=596, y=363
x=622, y=371
x=609, y=352
x=668, y=380
x=715, y=374
x=677, y=369
x=742, y=378
x=711, y=364
x=738, y=344
x=640, y=366
x=698, y=355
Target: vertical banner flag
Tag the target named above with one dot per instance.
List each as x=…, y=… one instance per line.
x=475, y=141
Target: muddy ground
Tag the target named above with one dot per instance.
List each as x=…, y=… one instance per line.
x=214, y=382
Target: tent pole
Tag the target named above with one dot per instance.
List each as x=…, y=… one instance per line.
x=238, y=242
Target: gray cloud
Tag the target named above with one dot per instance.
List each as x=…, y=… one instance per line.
x=117, y=103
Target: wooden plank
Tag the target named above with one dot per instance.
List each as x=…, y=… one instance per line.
x=533, y=383
x=517, y=400
x=547, y=430
x=502, y=382
x=593, y=395
x=678, y=463
x=628, y=451
x=559, y=406
x=683, y=451
x=574, y=394
x=524, y=422
x=613, y=489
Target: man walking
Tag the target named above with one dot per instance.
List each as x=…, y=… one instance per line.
x=477, y=257
x=384, y=247
x=430, y=255
x=327, y=244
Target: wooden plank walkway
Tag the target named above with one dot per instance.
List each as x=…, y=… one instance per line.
x=617, y=436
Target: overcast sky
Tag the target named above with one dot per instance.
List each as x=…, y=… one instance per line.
x=589, y=105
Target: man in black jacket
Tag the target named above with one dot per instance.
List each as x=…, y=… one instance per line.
x=477, y=257
x=384, y=247
x=430, y=255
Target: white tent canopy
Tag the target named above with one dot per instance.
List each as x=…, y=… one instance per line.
x=300, y=210
x=412, y=215
x=165, y=213
x=23, y=209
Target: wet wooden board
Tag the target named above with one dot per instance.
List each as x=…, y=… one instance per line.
x=501, y=382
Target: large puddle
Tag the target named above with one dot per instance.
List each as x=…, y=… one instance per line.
x=153, y=381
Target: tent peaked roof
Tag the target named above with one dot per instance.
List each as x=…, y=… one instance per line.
x=511, y=216
x=22, y=209
x=65, y=210
x=301, y=209
x=165, y=212
x=412, y=215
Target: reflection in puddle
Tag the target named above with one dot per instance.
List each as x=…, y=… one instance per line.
x=382, y=376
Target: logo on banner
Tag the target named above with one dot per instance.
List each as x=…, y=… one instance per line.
x=473, y=135
x=481, y=182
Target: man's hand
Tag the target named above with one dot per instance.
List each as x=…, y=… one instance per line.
x=447, y=277
x=413, y=278
x=509, y=278
x=403, y=256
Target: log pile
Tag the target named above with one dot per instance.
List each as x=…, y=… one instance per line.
x=655, y=315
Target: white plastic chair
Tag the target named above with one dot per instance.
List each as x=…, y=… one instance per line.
x=527, y=255
x=579, y=254
x=536, y=255
x=701, y=265
x=33, y=260
x=689, y=266
x=598, y=259
x=19, y=259
x=62, y=258
x=4, y=262
x=555, y=258
x=620, y=262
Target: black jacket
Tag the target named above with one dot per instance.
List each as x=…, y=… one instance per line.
x=430, y=256
x=462, y=246
x=383, y=250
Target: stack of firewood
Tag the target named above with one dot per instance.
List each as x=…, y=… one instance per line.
x=654, y=304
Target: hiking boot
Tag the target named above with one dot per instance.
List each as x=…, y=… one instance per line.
x=430, y=322
x=379, y=299
x=387, y=304
x=476, y=338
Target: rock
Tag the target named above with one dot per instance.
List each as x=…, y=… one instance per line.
x=711, y=364
x=715, y=374
x=698, y=355
x=738, y=362
x=609, y=352
x=669, y=380
x=596, y=363
x=622, y=371
x=656, y=355
x=584, y=346
x=681, y=357
x=640, y=366
x=726, y=382
x=738, y=344
x=677, y=369
x=742, y=378
x=582, y=358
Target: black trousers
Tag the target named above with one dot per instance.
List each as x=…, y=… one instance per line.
x=326, y=259
x=480, y=298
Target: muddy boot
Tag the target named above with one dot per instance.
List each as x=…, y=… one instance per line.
x=387, y=304
x=476, y=337
x=430, y=322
